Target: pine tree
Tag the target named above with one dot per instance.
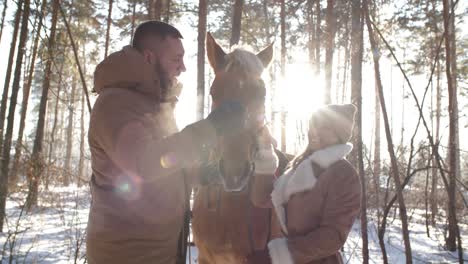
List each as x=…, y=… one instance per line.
x=36, y=171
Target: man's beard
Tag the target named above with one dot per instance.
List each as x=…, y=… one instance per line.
x=171, y=88
x=166, y=83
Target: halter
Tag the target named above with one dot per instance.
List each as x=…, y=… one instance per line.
x=214, y=174
x=214, y=171
x=248, y=172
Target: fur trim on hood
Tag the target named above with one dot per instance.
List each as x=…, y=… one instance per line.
x=302, y=178
x=279, y=251
x=127, y=68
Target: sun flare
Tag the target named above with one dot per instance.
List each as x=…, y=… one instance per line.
x=300, y=92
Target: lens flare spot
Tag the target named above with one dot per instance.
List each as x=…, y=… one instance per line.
x=124, y=187
x=128, y=187
x=168, y=160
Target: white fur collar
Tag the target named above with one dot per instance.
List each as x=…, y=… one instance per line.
x=279, y=251
x=303, y=178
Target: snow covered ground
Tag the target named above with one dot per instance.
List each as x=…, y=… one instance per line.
x=55, y=232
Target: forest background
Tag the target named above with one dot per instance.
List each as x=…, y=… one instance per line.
x=402, y=63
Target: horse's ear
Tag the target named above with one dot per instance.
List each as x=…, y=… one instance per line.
x=215, y=53
x=266, y=55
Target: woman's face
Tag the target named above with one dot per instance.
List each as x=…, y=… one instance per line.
x=321, y=135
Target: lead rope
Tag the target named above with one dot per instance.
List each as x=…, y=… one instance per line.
x=185, y=234
x=249, y=214
x=209, y=205
x=188, y=246
x=250, y=227
x=249, y=223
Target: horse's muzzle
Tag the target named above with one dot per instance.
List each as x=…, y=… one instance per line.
x=235, y=182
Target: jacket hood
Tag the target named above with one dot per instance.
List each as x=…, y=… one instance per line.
x=127, y=68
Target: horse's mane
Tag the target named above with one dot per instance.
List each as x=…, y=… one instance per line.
x=244, y=60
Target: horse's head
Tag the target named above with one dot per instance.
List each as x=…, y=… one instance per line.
x=238, y=77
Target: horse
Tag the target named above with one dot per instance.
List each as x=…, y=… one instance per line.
x=226, y=226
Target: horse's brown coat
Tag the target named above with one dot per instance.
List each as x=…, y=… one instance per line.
x=222, y=220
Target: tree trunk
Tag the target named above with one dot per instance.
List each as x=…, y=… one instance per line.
x=11, y=112
x=26, y=92
x=132, y=30
x=310, y=33
x=356, y=99
x=36, y=159
x=82, y=143
x=363, y=179
x=14, y=91
x=236, y=22
x=6, y=86
x=271, y=69
x=346, y=59
x=53, y=133
x=61, y=134
x=402, y=132
x=154, y=9
x=435, y=175
x=2, y=23
x=330, y=39
x=167, y=10
x=283, y=69
x=68, y=152
x=429, y=161
x=453, y=154
x=377, y=167
x=426, y=201
x=318, y=36
x=202, y=18
x=356, y=66
x=283, y=130
x=393, y=160
x=109, y=22
x=81, y=162
x=337, y=77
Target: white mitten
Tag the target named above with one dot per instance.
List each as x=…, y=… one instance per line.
x=265, y=159
x=279, y=251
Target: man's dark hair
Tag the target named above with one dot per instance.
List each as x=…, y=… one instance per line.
x=153, y=28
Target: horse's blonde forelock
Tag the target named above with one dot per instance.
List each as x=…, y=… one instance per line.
x=246, y=60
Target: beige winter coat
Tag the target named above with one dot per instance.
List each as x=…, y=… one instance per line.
x=137, y=160
x=319, y=209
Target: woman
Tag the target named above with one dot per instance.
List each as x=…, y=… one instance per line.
x=318, y=198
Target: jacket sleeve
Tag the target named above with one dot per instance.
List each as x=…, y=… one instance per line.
x=340, y=210
x=121, y=134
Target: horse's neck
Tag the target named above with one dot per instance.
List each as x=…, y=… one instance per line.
x=216, y=195
x=213, y=198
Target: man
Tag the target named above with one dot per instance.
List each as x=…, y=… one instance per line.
x=137, y=154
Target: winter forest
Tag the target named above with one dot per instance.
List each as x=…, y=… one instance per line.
x=404, y=64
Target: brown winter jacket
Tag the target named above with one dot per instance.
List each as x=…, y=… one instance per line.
x=137, y=159
x=319, y=219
